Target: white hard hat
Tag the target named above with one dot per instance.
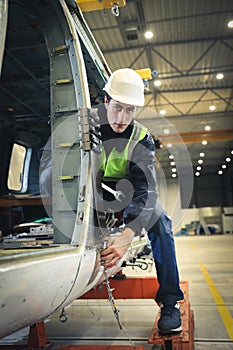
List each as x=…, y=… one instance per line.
x=126, y=86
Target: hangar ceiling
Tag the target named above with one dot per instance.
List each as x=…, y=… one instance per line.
x=191, y=44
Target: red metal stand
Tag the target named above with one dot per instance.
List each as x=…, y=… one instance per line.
x=146, y=287
x=36, y=340
x=37, y=337
x=183, y=340
x=127, y=288
x=101, y=347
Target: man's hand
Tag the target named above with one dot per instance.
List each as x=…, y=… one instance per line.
x=117, y=247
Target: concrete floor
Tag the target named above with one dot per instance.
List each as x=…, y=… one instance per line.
x=206, y=262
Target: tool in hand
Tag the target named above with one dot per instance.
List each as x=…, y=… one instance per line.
x=117, y=194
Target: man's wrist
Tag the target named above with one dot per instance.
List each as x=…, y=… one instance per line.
x=129, y=231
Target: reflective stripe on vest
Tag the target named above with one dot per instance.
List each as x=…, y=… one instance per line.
x=116, y=167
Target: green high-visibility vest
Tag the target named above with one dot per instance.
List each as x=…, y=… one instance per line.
x=116, y=166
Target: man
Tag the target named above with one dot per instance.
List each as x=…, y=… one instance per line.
x=128, y=154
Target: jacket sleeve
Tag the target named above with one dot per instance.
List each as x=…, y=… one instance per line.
x=143, y=179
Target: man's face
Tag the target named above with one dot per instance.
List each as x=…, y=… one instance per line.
x=119, y=114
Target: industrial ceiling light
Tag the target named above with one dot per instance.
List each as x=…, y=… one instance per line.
x=166, y=131
x=162, y=112
x=198, y=168
x=204, y=142
x=219, y=76
x=197, y=173
x=228, y=159
x=220, y=172
x=157, y=83
x=174, y=175
x=202, y=154
x=174, y=170
x=230, y=24
x=171, y=156
x=200, y=161
x=169, y=145
x=173, y=163
x=10, y=109
x=224, y=166
x=207, y=127
x=212, y=108
x=148, y=34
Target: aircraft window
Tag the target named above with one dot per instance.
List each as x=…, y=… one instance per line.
x=19, y=168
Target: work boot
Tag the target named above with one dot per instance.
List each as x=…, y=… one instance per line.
x=170, y=319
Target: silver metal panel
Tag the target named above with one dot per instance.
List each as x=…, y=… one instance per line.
x=64, y=199
x=36, y=294
x=3, y=27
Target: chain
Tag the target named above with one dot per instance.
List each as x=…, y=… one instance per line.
x=115, y=309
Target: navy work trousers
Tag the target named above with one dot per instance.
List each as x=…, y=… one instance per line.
x=163, y=248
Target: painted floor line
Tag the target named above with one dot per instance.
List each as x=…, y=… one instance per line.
x=221, y=306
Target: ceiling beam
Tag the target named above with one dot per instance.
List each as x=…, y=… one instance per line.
x=175, y=118
x=195, y=73
x=197, y=136
x=172, y=90
x=21, y=102
x=25, y=69
x=165, y=43
x=167, y=19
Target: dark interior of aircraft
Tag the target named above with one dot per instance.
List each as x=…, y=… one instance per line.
x=25, y=96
